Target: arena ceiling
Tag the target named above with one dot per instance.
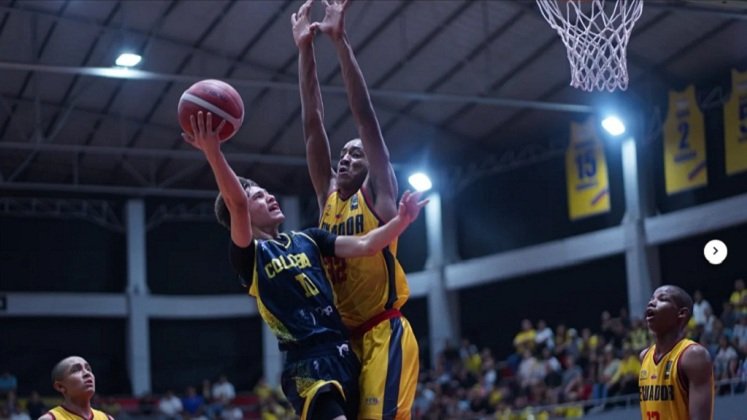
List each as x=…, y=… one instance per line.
x=461, y=84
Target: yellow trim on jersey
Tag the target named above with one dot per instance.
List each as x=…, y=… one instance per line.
x=62, y=413
x=309, y=394
x=275, y=325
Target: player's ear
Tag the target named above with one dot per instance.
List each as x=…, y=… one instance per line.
x=58, y=386
x=685, y=313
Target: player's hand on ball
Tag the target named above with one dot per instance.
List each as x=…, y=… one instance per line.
x=205, y=137
x=409, y=206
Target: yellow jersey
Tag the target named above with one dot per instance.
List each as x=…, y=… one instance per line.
x=62, y=413
x=365, y=286
x=663, y=390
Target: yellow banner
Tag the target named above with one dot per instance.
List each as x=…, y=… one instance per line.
x=735, y=125
x=684, y=143
x=586, y=172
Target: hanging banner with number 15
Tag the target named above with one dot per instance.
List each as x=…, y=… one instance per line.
x=684, y=143
x=586, y=172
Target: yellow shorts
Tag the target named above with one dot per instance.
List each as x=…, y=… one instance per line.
x=389, y=370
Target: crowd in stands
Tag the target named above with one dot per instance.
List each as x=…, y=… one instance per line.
x=555, y=371
x=560, y=372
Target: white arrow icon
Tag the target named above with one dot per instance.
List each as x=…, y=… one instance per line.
x=715, y=252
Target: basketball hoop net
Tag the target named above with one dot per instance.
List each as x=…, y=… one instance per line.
x=596, y=40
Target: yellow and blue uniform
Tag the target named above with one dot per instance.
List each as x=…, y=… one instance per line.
x=296, y=300
x=62, y=413
x=370, y=292
x=663, y=388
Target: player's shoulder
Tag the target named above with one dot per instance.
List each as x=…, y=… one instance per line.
x=695, y=350
x=47, y=416
x=695, y=356
x=313, y=234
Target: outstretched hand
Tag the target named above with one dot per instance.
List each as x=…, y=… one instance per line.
x=333, y=23
x=409, y=206
x=203, y=136
x=303, y=30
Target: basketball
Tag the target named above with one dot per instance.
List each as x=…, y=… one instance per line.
x=216, y=97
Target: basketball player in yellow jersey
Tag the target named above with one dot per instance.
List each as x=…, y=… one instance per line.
x=357, y=196
x=73, y=378
x=676, y=378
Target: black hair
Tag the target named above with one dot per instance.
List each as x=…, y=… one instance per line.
x=681, y=298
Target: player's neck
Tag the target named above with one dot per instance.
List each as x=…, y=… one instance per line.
x=666, y=341
x=346, y=192
x=80, y=406
x=267, y=232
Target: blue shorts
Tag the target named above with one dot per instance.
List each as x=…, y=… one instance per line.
x=327, y=367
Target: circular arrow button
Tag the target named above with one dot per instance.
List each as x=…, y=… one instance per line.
x=715, y=251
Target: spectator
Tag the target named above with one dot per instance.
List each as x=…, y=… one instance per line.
x=700, y=306
x=18, y=413
x=8, y=382
x=609, y=365
x=231, y=412
x=725, y=362
x=710, y=322
x=170, y=406
x=531, y=371
x=192, y=403
x=639, y=336
x=544, y=337
x=571, y=381
x=589, y=341
x=206, y=390
x=525, y=338
x=223, y=391
x=35, y=406
x=561, y=339
x=739, y=335
x=147, y=404
x=728, y=316
x=625, y=379
x=623, y=318
x=738, y=298
x=262, y=390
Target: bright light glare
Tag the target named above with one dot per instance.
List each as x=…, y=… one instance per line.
x=128, y=60
x=420, y=181
x=613, y=125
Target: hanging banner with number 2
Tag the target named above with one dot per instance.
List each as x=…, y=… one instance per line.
x=684, y=143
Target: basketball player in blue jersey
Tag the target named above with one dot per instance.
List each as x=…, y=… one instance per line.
x=284, y=272
x=355, y=198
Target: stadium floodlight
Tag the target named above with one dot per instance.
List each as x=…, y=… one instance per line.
x=613, y=125
x=420, y=181
x=128, y=60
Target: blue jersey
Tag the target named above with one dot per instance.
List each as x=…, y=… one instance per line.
x=294, y=296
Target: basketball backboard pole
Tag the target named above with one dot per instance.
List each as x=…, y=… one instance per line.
x=641, y=260
x=443, y=304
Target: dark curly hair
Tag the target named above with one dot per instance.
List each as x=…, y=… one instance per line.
x=221, y=210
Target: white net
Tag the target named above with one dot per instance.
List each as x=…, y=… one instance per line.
x=596, y=34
